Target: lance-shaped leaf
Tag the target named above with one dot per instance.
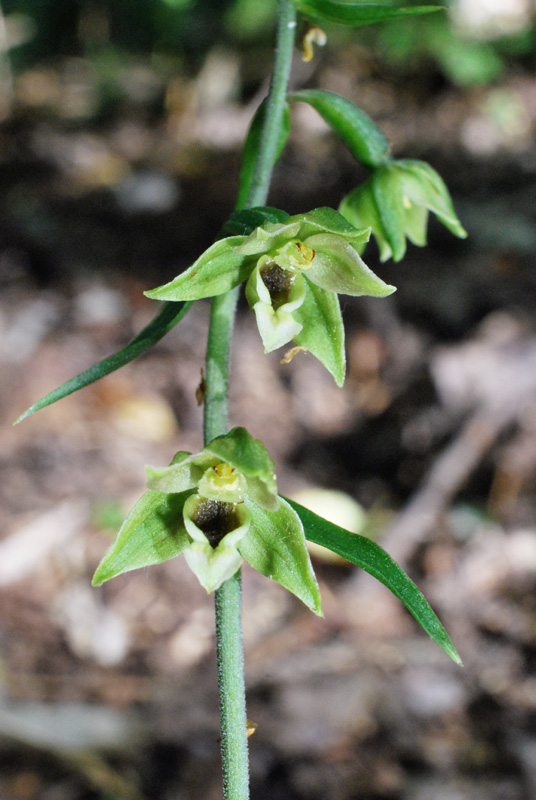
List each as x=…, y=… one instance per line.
x=251, y=149
x=373, y=559
x=345, y=12
x=218, y=270
x=360, y=134
x=322, y=329
x=153, y=532
x=275, y=546
x=165, y=321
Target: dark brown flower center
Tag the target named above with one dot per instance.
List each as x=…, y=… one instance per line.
x=279, y=282
x=216, y=519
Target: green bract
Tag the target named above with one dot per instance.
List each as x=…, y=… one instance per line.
x=218, y=507
x=294, y=270
x=395, y=202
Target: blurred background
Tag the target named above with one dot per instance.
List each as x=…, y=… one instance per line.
x=120, y=134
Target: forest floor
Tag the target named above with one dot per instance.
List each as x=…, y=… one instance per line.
x=111, y=693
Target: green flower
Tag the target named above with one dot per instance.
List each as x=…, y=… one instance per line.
x=395, y=202
x=294, y=268
x=217, y=507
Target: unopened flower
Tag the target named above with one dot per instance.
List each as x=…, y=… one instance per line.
x=395, y=202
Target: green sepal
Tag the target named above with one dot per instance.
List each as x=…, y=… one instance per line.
x=373, y=559
x=323, y=330
x=152, y=533
x=360, y=134
x=249, y=457
x=181, y=475
x=164, y=321
x=356, y=13
x=327, y=220
x=416, y=222
x=269, y=237
x=423, y=186
x=251, y=149
x=389, y=201
x=218, y=270
x=275, y=546
x=359, y=207
x=244, y=221
x=378, y=202
x=338, y=267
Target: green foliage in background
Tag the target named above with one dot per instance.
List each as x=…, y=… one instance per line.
x=192, y=27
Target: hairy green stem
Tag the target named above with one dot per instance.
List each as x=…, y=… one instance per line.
x=216, y=404
x=229, y=647
x=275, y=105
x=230, y=655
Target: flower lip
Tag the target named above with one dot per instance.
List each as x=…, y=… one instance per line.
x=278, y=281
x=215, y=522
x=215, y=518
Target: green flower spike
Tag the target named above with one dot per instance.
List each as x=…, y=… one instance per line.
x=218, y=507
x=395, y=202
x=294, y=269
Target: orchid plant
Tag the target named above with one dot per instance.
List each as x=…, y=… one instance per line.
x=220, y=507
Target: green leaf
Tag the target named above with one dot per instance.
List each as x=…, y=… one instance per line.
x=218, y=270
x=244, y=221
x=275, y=546
x=153, y=532
x=360, y=134
x=249, y=457
x=373, y=559
x=168, y=317
x=251, y=149
x=357, y=13
x=327, y=220
x=323, y=330
x=337, y=267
